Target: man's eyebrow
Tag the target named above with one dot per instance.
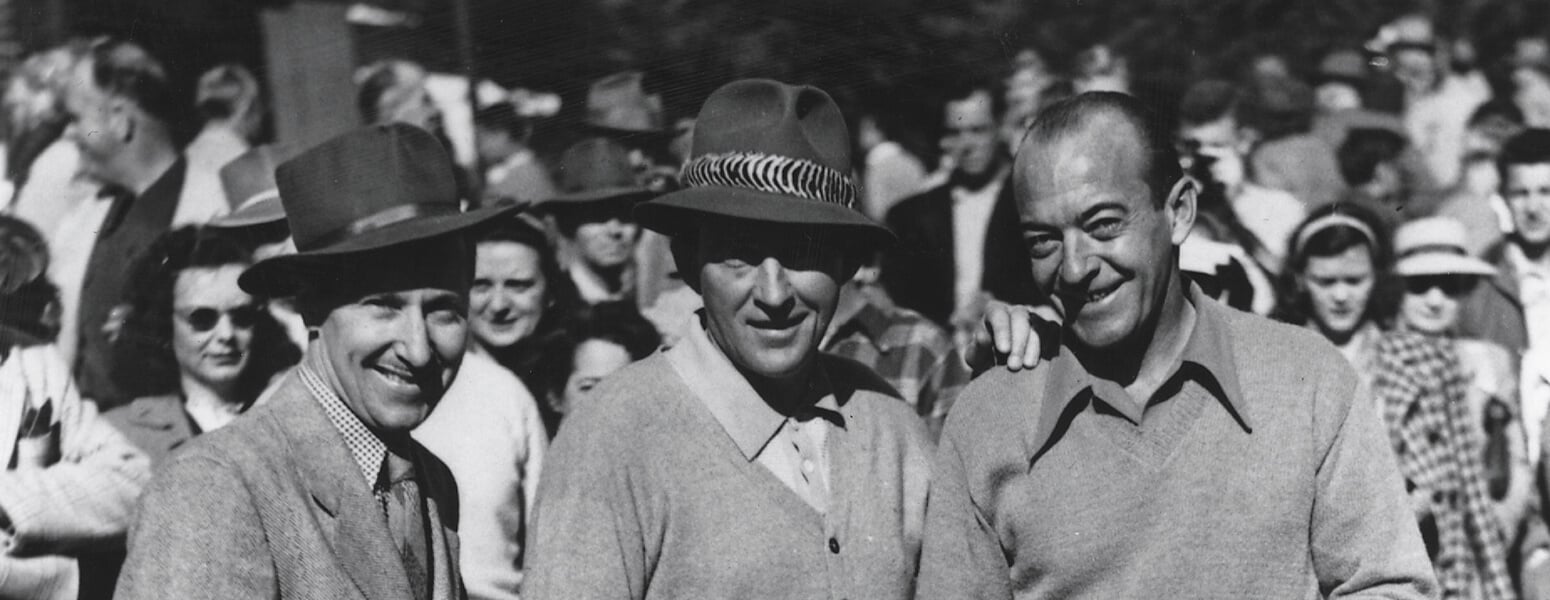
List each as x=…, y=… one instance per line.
x=1086, y=214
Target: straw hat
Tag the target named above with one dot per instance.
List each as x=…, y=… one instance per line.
x=1435, y=246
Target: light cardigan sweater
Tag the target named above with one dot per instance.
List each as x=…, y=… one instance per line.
x=645, y=495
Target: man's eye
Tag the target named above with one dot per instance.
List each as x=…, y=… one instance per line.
x=1105, y=228
x=1043, y=246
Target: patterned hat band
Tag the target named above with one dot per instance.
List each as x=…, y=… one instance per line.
x=773, y=174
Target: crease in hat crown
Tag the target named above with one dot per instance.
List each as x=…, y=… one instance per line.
x=766, y=151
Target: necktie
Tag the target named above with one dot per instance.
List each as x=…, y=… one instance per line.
x=401, y=503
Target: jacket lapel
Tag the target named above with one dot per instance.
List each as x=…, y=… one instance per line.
x=360, y=537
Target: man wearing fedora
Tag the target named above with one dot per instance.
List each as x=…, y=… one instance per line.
x=598, y=189
x=742, y=462
x=321, y=493
x=619, y=109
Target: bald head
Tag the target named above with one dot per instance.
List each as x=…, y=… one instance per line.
x=1114, y=122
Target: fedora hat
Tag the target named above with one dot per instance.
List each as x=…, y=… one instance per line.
x=248, y=181
x=770, y=152
x=619, y=104
x=1435, y=246
x=595, y=169
x=369, y=189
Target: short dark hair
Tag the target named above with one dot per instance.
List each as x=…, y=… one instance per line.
x=617, y=322
x=1072, y=114
x=123, y=68
x=1531, y=147
x=1364, y=149
x=27, y=298
x=225, y=89
x=144, y=362
x=965, y=88
x=1333, y=239
x=1209, y=100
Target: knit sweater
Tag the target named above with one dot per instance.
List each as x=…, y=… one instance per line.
x=646, y=496
x=1297, y=497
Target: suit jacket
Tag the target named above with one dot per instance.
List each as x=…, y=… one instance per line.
x=274, y=506
x=918, y=272
x=156, y=424
x=1493, y=311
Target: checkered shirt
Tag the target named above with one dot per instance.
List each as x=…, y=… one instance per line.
x=1420, y=388
x=910, y=352
x=365, y=447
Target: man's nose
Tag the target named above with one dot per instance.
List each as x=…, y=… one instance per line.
x=773, y=287
x=1077, y=262
x=414, y=343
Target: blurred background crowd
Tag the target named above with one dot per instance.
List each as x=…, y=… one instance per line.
x=1376, y=170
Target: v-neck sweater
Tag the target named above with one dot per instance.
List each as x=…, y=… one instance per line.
x=645, y=495
x=1302, y=498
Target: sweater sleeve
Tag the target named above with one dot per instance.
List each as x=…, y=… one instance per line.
x=586, y=540
x=1365, y=542
x=961, y=556
x=87, y=497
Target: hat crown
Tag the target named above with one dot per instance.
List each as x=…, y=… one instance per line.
x=364, y=179
x=1430, y=234
x=595, y=164
x=763, y=116
x=619, y=101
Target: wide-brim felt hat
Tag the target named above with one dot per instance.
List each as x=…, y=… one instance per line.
x=1435, y=246
x=250, y=187
x=767, y=152
x=370, y=189
x=592, y=170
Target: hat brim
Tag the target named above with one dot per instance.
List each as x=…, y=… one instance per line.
x=284, y=275
x=675, y=212
x=597, y=195
x=612, y=131
x=1422, y=265
x=263, y=212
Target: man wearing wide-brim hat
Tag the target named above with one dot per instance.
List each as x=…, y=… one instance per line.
x=592, y=215
x=742, y=462
x=321, y=493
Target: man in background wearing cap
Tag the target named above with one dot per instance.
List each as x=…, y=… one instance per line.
x=321, y=493
x=1167, y=446
x=742, y=462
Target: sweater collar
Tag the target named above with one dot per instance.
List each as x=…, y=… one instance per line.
x=743, y=414
x=1207, y=359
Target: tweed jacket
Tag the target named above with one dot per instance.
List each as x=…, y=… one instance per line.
x=156, y=424
x=918, y=271
x=274, y=506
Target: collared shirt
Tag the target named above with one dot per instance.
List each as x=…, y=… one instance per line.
x=912, y=353
x=1534, y=292
x=368, y=451
x=1206, y=364
x=794, y=447
x=971, y=220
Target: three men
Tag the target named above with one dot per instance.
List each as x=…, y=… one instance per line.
x=742, y=462
x=1169, y=446
x=321, y=493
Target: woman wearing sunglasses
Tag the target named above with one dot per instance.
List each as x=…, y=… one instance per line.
x=194, y=348
x=1337, y=281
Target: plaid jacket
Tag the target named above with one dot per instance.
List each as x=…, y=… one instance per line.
x=912, y=353
x=1420, y=387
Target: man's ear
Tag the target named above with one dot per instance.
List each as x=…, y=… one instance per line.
x=1180, y=208
x=121, y=119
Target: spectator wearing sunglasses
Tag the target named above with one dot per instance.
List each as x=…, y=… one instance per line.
x=597, y=234
x=195, y=349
